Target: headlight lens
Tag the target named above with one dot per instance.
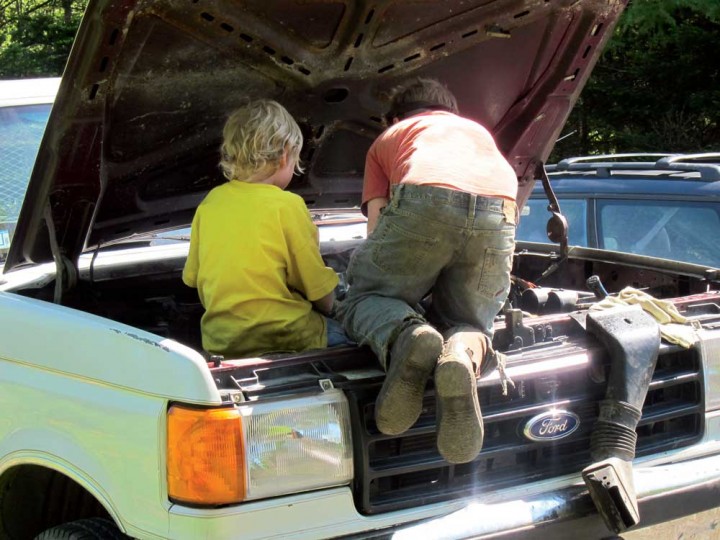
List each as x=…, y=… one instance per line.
x=297, y=445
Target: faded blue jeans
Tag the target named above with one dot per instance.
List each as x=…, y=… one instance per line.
x=336, y=336
x=455, y=245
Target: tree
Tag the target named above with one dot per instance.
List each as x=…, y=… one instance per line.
x=36, y=36
x=655, y=89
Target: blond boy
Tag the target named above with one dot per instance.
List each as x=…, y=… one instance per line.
x=254, y=253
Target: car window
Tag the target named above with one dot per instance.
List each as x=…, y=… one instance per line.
x=534, y=218
x=683, y=231
x=21, y=129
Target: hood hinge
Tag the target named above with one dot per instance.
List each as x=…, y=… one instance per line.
x=557, y=226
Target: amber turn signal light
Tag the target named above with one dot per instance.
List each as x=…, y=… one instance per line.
x=205, y=456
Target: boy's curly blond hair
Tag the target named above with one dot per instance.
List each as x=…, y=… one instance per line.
x=255, y=137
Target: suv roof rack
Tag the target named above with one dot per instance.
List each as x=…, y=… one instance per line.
x=707, y=164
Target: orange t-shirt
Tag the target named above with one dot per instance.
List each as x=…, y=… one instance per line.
x=440, y=149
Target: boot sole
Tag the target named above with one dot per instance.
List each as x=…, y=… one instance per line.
x=460, y=429
x=399, y=403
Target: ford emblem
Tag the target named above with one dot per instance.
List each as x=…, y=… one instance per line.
x=551, y=425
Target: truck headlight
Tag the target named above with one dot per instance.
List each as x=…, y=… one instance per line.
x=226, y=455
x=297, y=444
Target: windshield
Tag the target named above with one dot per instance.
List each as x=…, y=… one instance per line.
x=21, y=129
x=680, y=230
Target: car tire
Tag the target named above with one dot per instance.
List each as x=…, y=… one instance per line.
x=84, y=529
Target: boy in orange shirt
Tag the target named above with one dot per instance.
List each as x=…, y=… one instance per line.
x=254, y=252
x=440, y=202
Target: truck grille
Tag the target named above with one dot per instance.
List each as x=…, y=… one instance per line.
x=395, y=472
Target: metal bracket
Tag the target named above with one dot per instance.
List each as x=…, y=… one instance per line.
x=557, y=226
x=515, y=335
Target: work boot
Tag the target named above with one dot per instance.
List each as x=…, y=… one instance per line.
x=479, y=348
x=413, y=357
x=475, y=344
x=459, y=421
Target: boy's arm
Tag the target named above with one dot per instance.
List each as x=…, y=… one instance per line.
x=325, y=304
x=376, y=187
x=306, y=270
x=374, y=206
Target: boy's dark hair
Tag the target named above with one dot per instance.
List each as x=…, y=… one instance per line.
x=420, y=94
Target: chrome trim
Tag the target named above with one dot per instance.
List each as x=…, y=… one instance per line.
x=477, y=519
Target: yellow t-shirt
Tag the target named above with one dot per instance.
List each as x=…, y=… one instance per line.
x=255, y=260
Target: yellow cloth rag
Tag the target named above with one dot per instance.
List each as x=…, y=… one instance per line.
x=674, y=327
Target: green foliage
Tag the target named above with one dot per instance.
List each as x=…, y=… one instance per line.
x=656, y=87
x=652, y=16
x=36, y=36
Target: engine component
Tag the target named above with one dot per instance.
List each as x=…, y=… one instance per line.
x=632, y=339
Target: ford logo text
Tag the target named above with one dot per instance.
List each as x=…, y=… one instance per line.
x=551, y=426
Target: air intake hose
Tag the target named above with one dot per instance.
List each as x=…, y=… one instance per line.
x=632, y=340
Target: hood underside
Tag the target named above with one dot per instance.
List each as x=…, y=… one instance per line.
x=132, y=144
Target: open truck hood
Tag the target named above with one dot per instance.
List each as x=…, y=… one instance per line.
x=132, y=144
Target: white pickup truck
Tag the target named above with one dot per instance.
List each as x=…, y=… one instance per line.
x=114, y=422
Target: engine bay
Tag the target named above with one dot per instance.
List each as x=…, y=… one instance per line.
x=146, y=291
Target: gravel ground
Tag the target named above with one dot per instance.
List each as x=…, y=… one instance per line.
x=702, y=526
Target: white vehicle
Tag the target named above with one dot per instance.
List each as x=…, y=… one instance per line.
x=24, y=110
x=114, y=422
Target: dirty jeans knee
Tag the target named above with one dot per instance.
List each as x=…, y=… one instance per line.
x=375, y=321
x=385, y=283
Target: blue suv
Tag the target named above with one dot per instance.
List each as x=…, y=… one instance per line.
x=668, y=207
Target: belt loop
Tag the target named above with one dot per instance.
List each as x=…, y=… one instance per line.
x=510, y=211
x=471, y=206
x=397, y=191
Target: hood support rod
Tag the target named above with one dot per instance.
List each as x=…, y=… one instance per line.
x=65, y=270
